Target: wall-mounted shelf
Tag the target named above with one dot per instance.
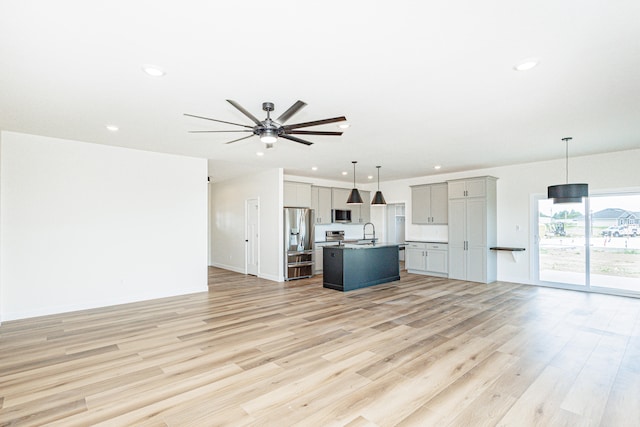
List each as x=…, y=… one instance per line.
x=508, y=249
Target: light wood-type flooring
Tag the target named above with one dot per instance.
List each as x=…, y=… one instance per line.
x=423, y=351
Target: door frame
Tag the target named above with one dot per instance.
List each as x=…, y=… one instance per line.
x=535, y=240
x=249, y=243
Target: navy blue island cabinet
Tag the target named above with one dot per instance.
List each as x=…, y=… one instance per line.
x=347, y=267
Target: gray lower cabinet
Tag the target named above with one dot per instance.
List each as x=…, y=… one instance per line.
x=427, y=258
x=318, y=260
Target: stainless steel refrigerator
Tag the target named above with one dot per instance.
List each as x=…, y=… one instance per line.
x=298, y=243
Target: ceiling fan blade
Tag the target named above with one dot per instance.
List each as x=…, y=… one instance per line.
x=290, y=112
x=220, y=121
x=313, y=132
x=217, y=131
x=293, y=138
x=239, y=139
x=316, y=123
x=243, y=111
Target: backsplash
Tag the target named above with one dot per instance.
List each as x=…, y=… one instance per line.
x=351, y=231
x=427, y=233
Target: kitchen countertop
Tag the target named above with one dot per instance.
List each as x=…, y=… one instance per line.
x=427, y=241
x=364, y=245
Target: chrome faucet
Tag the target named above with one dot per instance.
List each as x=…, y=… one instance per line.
x=364, y=231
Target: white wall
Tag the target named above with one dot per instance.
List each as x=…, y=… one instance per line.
x=517, y=185
x=86, y=225
x=228, y=201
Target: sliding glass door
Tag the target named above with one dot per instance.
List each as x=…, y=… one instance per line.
x=615, y=242
x=561, y=243
x=593, y=245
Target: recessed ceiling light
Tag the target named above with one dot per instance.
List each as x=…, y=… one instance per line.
x=112, y=128
x=153, y=70
x=344, y=125
x=259, y=153
x=370, y=177
x=437, y=167
x=526, y=64
x=314, y=168
x=344, y=172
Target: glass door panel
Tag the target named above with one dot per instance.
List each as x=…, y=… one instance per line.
x=562, y=256
x=615, y=242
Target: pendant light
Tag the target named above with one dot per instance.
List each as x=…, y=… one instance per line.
x=378, y=198
x=354, y=196
x=567, y=193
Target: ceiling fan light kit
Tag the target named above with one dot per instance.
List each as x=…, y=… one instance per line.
x=378, y=198
x=269, y=130
x=354, y=196
x=269, y=136
x=567, y=193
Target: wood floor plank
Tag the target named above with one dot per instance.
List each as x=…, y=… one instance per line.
x=415, y=352
x=540, y=405
x=461, y=393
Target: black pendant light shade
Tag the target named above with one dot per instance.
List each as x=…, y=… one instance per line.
x=567, y=193
x=378, y=198
x=354, y=196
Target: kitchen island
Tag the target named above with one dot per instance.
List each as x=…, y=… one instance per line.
x=354, y=266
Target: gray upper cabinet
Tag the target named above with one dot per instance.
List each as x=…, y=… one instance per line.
x=321, y=204
x=429, y=204
x=297, y=194
x=362, y=213
x=339, y=198
x=474, y=187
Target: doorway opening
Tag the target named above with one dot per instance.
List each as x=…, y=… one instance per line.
x=395, y=225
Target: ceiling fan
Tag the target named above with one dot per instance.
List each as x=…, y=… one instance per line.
x=270, y=130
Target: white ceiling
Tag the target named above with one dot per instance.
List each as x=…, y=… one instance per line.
x=421, y=83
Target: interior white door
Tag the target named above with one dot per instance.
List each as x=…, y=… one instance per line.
x=253, y=236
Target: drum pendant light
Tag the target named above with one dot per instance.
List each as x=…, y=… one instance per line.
x=378, y=198
x=567, y=193
x=354, y=196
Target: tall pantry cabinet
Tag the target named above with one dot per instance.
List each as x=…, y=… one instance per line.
x=472, y=229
